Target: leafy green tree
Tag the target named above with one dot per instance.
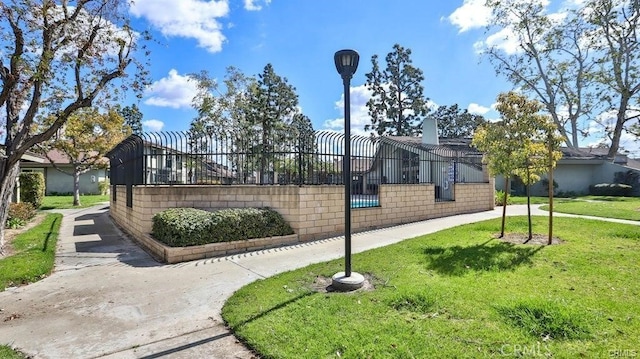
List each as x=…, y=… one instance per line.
x=222, y=113
x=516, y=144
x=271, y=107
x=454, y=122
x=250, y=119
x=85, y=140
x=132, y=117
x=552, y=62
x=56, y=58
x=397, y=105
x=303, y=137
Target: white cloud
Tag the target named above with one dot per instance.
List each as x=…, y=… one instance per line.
x=472, y=14
x=476, y=109
x=432, y=106
x=250, y=5
x=153, y=125
x=505, y=40
x=173, y=91
x=195, y=19
x=359, y=112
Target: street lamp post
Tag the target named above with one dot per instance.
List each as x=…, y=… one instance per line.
x=346, y=62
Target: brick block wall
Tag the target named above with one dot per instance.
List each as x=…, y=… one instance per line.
x=313, y=212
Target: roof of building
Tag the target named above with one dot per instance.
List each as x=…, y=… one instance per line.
x=60, y=158
x=28, y=156
x=445, y=148
x=358, y=164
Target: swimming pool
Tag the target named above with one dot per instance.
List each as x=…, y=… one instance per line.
x=364, y=202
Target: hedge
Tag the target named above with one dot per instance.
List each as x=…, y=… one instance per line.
x=32, y=188
x=611, y=189
x=20, y=214
x=182, y=227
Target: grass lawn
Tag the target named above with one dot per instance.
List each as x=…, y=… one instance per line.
x=66, y=202
x=523, y=200
x=6, y=352
x=458, y=293
x=35, y=252
x=610, y=207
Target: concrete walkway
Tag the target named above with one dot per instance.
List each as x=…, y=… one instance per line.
x=108, y=299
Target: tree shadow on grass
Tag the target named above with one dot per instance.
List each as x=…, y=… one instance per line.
x=491, y=255
x=50, y=234
x=272, y=309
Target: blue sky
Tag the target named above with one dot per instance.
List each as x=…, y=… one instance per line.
x=299, y=38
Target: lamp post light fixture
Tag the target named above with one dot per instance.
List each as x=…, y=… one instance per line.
x=346, y=64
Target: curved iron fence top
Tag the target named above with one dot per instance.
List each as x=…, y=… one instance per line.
x=327, y=141
x=335, y=135
x=171, y=140
x=129, y=144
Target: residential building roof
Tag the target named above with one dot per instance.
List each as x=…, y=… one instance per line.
x=358, y=164
x=459, y=145
x=27, y=157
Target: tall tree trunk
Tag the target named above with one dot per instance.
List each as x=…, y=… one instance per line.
x=504, y=205
x=617, y=131
x=76, y=187
x=550, y=240
x=8, y=175
x=529, y=205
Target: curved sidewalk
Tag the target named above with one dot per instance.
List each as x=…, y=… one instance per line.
x=108, y=299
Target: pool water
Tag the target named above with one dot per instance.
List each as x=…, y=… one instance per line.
x=364, y=202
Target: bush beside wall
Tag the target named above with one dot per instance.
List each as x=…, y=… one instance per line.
x=181, y=227
x=611, y=189
x=32, y=188
x=20, y=214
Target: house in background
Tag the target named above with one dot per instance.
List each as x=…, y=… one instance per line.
x=29, y=158
x=429, y=159
x=57, y=182
x=583, y=167
x=162, y=162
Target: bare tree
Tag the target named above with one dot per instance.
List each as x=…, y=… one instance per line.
x=616, y=38
x=56, y=58
x=552, y=60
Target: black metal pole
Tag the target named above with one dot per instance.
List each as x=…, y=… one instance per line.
x=347, y=177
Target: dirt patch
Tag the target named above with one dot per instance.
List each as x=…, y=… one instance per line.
x=11, y=234
x=323, y=284
x=522, y=238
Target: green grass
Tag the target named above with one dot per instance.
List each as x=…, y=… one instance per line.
x=458, y=293
x=609, y=207
x=6, y=352
x=523, y=200
x=35, y=253
x=66, y=202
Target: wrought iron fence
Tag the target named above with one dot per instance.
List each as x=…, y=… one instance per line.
x=316, y=158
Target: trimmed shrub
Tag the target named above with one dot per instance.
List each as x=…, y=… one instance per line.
x=20, y=214
x=182, y=227
x=610, y=189
x=32, y=188
x=499, y=198
x=104, y=187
